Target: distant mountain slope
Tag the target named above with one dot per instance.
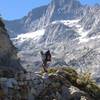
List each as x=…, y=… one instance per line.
x=25, y=24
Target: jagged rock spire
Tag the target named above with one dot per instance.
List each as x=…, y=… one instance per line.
x=62, y=9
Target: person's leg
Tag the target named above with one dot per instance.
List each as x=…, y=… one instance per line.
x=45, y=66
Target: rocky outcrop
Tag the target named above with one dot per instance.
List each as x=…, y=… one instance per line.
x=8, y=54
x=61, y=84
x=57, y=84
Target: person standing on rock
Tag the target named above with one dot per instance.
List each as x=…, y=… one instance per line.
x=46, y=57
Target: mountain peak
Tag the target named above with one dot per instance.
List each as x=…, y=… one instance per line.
x=62, y=9
x=43, y=16
x=65, y=2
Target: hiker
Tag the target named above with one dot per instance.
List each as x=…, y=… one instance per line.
x=46, y=57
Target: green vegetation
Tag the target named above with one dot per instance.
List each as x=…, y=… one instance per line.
x=86, y=83
x=83, y=82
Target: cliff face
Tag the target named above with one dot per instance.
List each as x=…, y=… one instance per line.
x=8, y=54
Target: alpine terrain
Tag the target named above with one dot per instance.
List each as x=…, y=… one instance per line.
x=67, y=28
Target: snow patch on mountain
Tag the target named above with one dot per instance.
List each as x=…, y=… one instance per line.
x=31, y=35
x=69, y=23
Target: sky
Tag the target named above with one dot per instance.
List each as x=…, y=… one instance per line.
x=90, y=2
x=15, y=9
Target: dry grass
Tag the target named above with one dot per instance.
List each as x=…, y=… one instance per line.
x=83, y=81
